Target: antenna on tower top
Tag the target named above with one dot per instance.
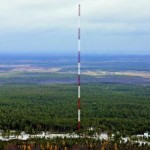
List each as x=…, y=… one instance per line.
x=79, y=68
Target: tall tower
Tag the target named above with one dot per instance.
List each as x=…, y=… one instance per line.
x=79, y=68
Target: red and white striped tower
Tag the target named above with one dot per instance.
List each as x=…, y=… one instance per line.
x=79, y=68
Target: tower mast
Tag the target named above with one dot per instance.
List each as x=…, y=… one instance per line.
x=79, y=68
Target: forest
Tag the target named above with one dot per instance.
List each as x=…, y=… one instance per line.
x=53, y=107
x=71, y=144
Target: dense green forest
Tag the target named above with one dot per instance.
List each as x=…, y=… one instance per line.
x=107, y=107
x=71, y=144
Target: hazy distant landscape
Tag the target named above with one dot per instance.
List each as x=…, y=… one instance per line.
x=46, y=69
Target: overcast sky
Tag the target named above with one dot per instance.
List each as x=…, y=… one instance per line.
x=108, y=26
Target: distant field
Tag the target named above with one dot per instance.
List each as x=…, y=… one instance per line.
x=63, y=69
x=21, y=77
x=69, y=63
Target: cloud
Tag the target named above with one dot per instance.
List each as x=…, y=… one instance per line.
x=118, y=16
x=35, y=14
